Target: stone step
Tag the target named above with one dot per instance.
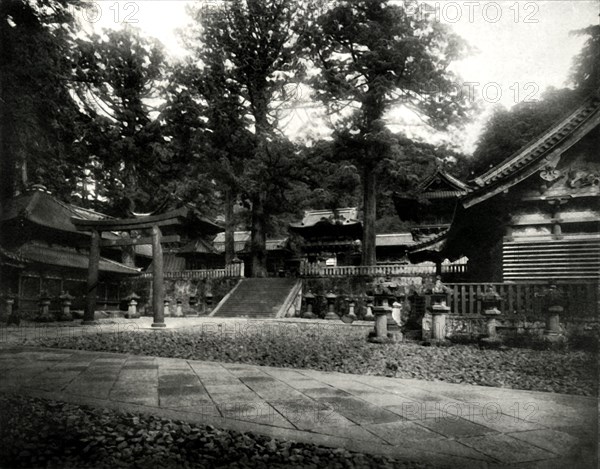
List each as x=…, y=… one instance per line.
x=257, y=298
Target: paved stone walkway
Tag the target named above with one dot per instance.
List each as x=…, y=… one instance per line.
x=458, y=425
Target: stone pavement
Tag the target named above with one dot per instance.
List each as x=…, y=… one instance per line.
x=456, y=425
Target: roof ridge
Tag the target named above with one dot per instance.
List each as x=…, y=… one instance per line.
x=553, y=129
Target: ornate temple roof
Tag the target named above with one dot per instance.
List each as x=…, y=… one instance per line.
x=69, y=258
x=394, y=239
x=441, y=184
x=41, y=208
x=199, y=246
x=340, y=216
x=538, y=153
x=12, y=259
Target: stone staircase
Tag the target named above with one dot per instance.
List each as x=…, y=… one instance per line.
x=259, y=298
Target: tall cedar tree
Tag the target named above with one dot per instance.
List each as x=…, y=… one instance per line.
x=371, y=56
x=508, y=130
x=257, y=42
x=120, y=72
x=226, y=142
x=39, y=120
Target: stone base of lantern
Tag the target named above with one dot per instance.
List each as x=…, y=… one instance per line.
x=381, y=335
x=308, y=315
x=492, y=339
x=438, y=323
x=391, y=338
x=553, y=332
x=178, y=313
x=331, y=316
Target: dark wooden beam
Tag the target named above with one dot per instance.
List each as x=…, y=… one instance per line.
x=137, y=241
x=124, y=224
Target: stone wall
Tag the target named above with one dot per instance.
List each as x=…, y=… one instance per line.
x=192, y=293
x=534, y=326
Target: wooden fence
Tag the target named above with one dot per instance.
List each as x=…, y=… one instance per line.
x=581, y=299
x=231, y=270
x=314, y=270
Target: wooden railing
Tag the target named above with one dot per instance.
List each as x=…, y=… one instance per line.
x=314, y=270
x=581, y=299
x=231, y=270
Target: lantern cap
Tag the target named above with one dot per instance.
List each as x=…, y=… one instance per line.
x=64, y=295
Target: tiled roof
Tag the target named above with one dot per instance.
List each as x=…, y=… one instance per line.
x=12, y=258
x=40, y=208
x=343, y=216
x=70, y=259
x=198, y=246
x=394, y=239
x=241, y=240
x=442, y=181
x=171, y=263
x=434, y=243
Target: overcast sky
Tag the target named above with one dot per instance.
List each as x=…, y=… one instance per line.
x=521, y=47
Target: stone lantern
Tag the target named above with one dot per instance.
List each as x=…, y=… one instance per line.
x=554, y=301
x=368, y=308
x=208, y=301
x=438, y=294
x=351, y=307
x=490, y=305
x=12, y=317
x=44, y=305
x=65, y=304
x=309, y=301
x=397, y=306
x=167, y=311
x=386, y=328
x=132, y=302
x=331, y=299
x=178, y=308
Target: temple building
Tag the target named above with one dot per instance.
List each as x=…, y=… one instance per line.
x=279, y=252
x=333, y=238
x=42, y=253
x=535, y=216
x=429, y=212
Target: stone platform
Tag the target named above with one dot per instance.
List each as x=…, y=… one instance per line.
x=456, y=425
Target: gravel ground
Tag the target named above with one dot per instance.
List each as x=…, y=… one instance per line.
x=346, y=350
x=37, y=433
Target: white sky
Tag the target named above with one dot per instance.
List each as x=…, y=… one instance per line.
x=522, y=48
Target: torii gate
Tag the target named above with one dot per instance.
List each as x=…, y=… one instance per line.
x=153, y=222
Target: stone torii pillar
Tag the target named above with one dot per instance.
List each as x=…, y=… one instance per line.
x=92, y=280
x=153, y=223
x=158, y=283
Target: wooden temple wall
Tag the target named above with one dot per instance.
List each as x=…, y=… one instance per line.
x=560, y=259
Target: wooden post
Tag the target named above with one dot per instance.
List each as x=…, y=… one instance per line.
x=92, y=280
x=158, y=284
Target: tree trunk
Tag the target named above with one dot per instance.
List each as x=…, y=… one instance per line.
x=258, y=239
x=369, y=207
x=259, y=217
x=229, y=227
